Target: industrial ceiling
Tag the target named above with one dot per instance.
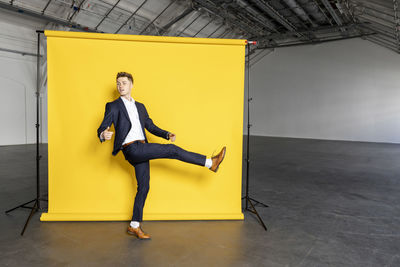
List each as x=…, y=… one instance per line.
x=272, y=23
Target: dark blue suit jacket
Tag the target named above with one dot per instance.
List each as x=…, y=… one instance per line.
x=116, y=113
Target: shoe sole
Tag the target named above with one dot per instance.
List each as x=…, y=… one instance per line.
x=223, y=156
x=131, y=233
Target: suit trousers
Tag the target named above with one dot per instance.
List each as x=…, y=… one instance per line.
x=138, y=155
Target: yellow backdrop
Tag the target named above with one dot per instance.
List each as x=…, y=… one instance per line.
x=193, y=87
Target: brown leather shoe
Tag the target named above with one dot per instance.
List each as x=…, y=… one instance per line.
x=216, y=160
x=137, y=232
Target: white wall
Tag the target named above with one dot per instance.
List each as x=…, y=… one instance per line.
x=18, y=81
x=346, y=90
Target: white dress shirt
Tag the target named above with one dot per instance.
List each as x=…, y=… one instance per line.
x=136, y=132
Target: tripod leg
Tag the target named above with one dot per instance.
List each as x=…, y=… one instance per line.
x=7, y=211
x=259, y=218
x=34, y=209
x=258, y=202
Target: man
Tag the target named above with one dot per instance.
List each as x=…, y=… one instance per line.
x=130, y=118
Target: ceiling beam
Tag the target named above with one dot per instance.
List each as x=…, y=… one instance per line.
x=186, y=12
x=263, y=5
x=220, y=26
x=387, y=46
x=202, y=28
x=131, y=16
x=159, y=15
x=316, y=30
x=252, y=29
x=77, y=9
x=47, y=18
x=389, y=43
x=397, y=21
x=331, y=11
x=187, y=26
x=44, y=9
x=106, y=15
x=323, y=12
x=257, y=15
x=288, y=44
x=299, y=11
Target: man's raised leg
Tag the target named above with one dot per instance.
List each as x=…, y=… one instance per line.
x=139, y=152
x=149, y=151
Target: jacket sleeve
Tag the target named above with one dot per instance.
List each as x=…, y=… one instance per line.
x=149, y=125
x=107, y=121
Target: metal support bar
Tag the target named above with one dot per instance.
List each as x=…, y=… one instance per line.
x=175, y=20
x=388, y=43
x=106, y=15
x=20, y=206
x=224, y=33
x=202, y=28
x=379, y=3
x=187, y=26
x=375, y=22
x=249, y=29
x=378, y=42
x=247, y=197
x=362, y=5
x=44, y=17
x=387, y=39
x=256, y=15
x=37, y=200
x=172, y=2
x=375, y=28
x=275, y=14
x=384, y=41
x=316, y=42
x=44, y=9
x=373, y=14
x=323, y=12
x=383, y=45
x=76, y=10
x=332, y=12
x=349, y=9
x=397, y=21
x=313, y=30
x=219, y=27
x=19, y=52
x=299, y=11
x=131, y=16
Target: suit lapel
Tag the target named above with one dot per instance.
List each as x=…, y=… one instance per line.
x=141, y=118
x=139, y=110
x=123, y=108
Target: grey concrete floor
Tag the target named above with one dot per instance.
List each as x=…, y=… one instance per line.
x=332, y=203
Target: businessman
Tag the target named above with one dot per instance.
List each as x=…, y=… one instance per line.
x=130, y=118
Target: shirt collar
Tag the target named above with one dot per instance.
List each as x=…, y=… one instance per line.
x=127, y=101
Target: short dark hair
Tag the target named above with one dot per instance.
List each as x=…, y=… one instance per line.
x=125, y=74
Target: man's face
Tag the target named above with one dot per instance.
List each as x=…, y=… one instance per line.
x=124, y=86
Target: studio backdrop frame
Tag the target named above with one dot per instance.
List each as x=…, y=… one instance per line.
x=193, y=87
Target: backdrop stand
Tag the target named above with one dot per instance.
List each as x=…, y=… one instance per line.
x=248, y=199
x=36, y=205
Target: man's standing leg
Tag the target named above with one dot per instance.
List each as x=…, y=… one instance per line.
x=142, y=171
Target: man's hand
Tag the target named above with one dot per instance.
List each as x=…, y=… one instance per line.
x=106, y=134
x=172, y=137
